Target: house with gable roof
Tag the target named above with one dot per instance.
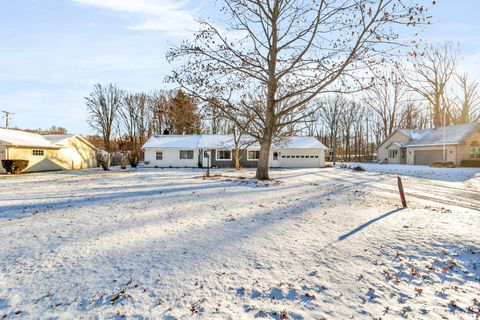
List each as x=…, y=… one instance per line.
x=47, y=152
x=423, y=147
x=213, y=150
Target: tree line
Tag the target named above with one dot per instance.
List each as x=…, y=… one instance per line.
x=429, y=93
x=125, y=120
x=283, y=67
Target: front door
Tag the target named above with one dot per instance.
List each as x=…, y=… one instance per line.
x=207, y=158
x=275, y=160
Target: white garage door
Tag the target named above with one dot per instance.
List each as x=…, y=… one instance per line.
x=300, y=159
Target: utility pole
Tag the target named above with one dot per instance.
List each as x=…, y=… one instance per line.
x=7, y=116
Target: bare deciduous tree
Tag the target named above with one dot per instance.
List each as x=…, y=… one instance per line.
x=134, y=120
x=387, y=97
x=468, y=101
x=332, y=113
x=290, y=51
x=432, y=72
x=103, y=104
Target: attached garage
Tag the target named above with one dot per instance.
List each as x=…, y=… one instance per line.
x=425, y=146
x=427, y=157
x=289, y=152
x=302, y=158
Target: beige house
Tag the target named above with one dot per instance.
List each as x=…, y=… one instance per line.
x=47, y=152
x=427, y=146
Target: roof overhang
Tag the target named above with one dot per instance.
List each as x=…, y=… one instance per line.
x=31, y=147
x=432, y=145
x=398, y=130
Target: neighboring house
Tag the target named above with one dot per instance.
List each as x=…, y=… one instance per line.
x=47, y=152
x=194, y=150
x=426, y=146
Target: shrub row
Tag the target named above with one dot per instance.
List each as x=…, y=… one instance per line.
x=14, y=166
x=443, y=164
x=470, y=163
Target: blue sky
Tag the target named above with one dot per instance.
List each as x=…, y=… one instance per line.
x=53, y=51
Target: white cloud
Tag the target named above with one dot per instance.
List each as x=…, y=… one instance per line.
x=168, y=16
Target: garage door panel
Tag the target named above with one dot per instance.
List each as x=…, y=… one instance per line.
x=427, y=157
x=300, y=161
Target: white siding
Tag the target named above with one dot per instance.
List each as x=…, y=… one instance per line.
x=171, y=158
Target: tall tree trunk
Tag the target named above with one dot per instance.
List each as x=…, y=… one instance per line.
x=106, y=144
x=237, y=157
x=272, y=86
x=262, y=168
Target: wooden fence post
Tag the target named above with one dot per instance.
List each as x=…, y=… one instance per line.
x=400, y=190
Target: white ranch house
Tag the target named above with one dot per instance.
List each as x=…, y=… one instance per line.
x=218, y=151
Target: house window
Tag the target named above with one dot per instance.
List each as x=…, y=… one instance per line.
x=186, y=154
x=475, y=150
x=37, y=153
x=224, y=155
x=392, y=153
x=159, y=155
x=253, y=155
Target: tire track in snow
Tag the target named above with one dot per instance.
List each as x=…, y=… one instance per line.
x=421, y=191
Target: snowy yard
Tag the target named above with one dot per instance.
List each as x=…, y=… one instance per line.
x=313, y=244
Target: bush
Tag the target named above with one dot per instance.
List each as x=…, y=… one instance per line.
x=123, y=161
x=103, y=159
x=133, y=159
x=14, y=166
x=443, y=164
x=358, y=168
x=473, y=163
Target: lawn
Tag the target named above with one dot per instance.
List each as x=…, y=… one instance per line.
x=311, y=244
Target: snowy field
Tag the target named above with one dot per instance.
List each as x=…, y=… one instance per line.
x=312, y=244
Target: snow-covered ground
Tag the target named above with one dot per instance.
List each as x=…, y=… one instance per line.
x=312, y=244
